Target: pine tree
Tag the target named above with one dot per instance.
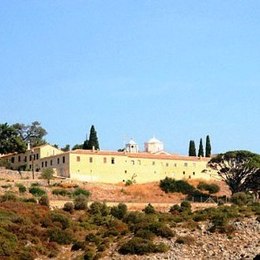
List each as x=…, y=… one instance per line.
x=93, y=139
x=201, y=150
x=208, y=147
x=192, y=148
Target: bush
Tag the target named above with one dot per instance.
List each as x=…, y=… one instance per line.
x=61, y=192
x=171, y=185
x=79, y=191
x=8, y=196
x=80, y=202
x=62, y=237
x=211, y=188
x=21, y=187
x=119, y=211
x=61, y=218
x=44, y=201
x=241, y=198
x=38, y=192
x=161, y=230
x=69, y=207
x=140, y=246
x=187, y=240
x=98, y=208
x=8, y=242
x=149, y=209
x=145, y=234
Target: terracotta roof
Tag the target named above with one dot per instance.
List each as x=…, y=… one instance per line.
x=143, y=155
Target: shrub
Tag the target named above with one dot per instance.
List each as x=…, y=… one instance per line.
x=38, y=192
x=61, y=192
x=61, y=218
x=29, y=200
x=161, y=230
x=171, y=185
x=69, y=207
x=44, y=201
x=79, y=191
x=99, y=208
x=140, y=246
x=149, y=209
x=187, y=240
x=80, y=202
x=35, y=184
x=211, y=188
x=62, y=237
x=8, y=242
x=78, y=245
x=119, y=211
x=21, y=187
x=8, y=196
x=145, y=234
x=241, y=198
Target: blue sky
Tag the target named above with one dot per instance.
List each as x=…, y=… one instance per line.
x=177, y=70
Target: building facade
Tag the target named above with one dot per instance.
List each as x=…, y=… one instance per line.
x=111, y=166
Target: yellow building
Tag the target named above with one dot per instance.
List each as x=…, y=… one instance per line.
x=111, y=166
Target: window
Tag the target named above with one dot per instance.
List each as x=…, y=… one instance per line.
x=42, y=164
x=58, y=160
x=90, y=159
x=139, y=162
x=189, y=177
x=19, y=158
x=104, y=160
x=125, y=171
x=37, y=156
x=30, y=158
x=78, y=158
x=167, y=164
x=63, y=159
x=112, y=160
x=12, y=159
x=132, y=162
x=25, y=158
x=51, y=162
x=193, y=173
x=153, y=163
x=175, y=165
x=46, y=163
x=183, y=173
x=186, y=164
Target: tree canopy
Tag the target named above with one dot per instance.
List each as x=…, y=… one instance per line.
x=192, y=148
x=92, y=141
x=32, y=133
x=10, y=140
x=201, y=150
x=239, y=169
x=208, y=147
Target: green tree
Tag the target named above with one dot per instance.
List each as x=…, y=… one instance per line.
x=208, y=147
x=32, y=133
x=192, y=148
x=92, y=141
x=47, y=174
x=201, y=150
x=66, y=148
x=239, y=169
x=77, y=146
x=10, y=141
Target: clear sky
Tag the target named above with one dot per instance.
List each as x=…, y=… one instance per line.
x=177, y=70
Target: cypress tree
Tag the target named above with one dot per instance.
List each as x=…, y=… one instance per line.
x=201, y=150
x=93, y=139
x=192, y=148
x=208, y=147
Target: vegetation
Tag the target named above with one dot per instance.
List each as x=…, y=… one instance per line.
x=192, y=148
x=37, y=192
x=201, y=149
x=208, y=147
x=47, y=174
x=171, y=185
x=211, y=188
x=239, y=169
x=92, y=142
x=92, y=230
